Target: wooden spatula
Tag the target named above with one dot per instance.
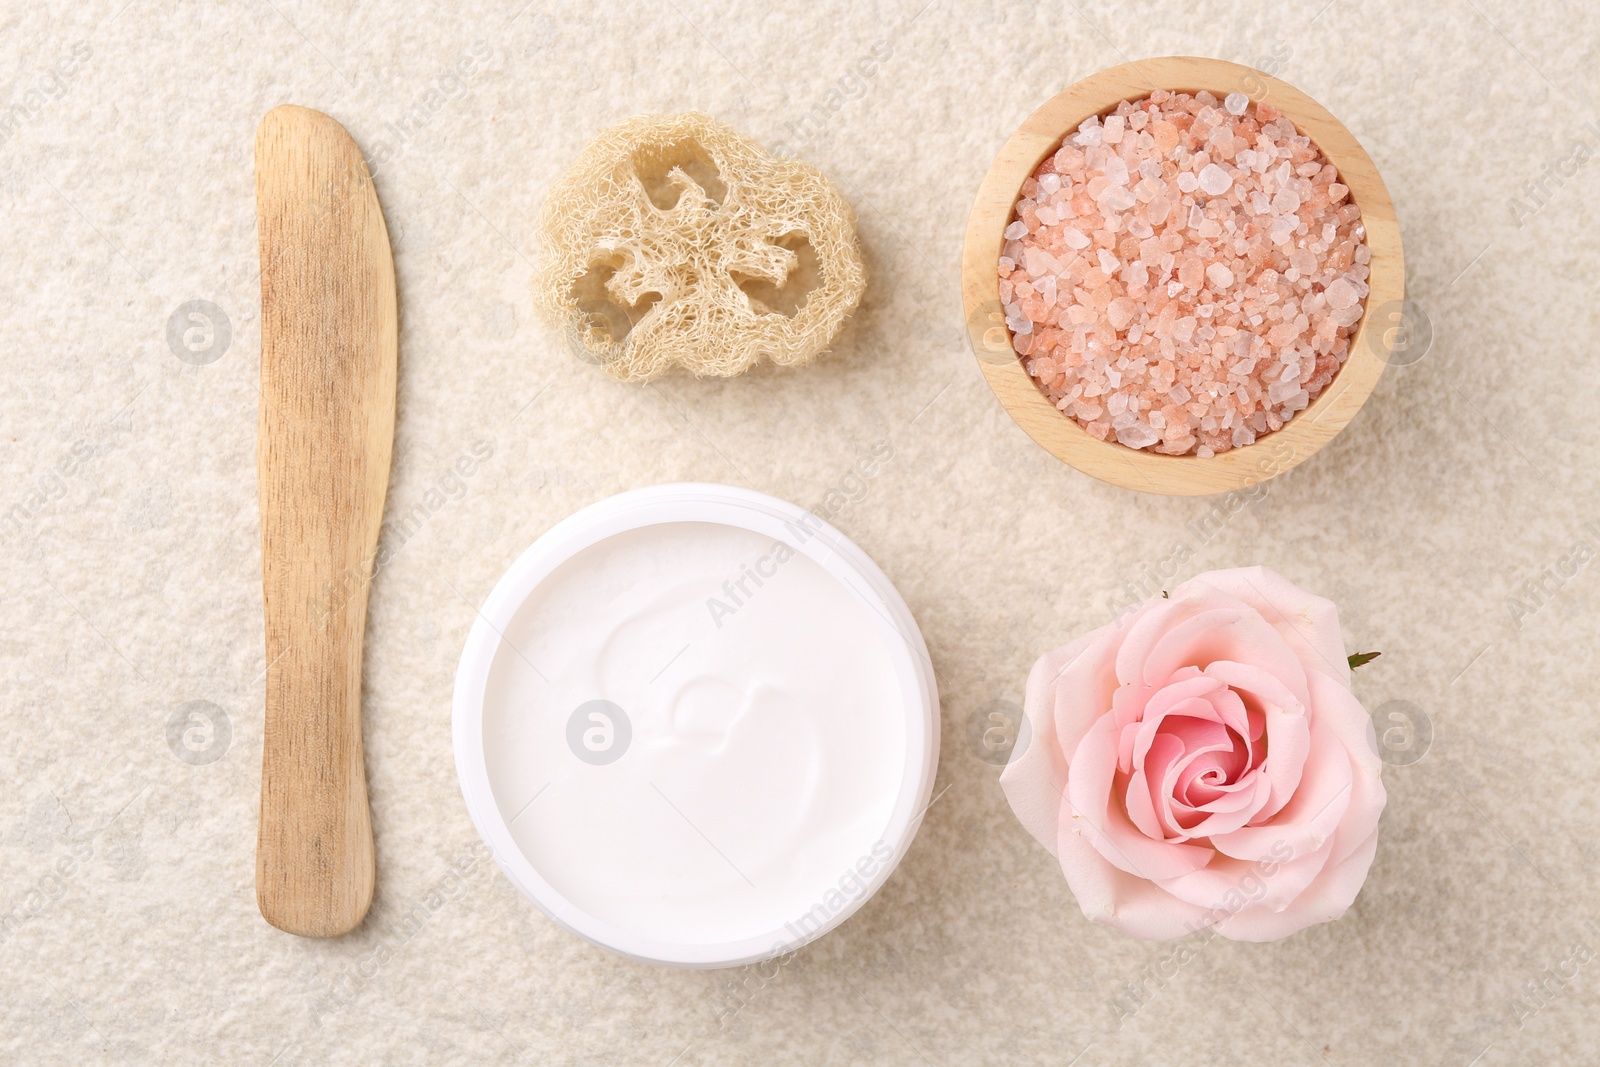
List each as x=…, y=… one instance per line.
x=328, y=354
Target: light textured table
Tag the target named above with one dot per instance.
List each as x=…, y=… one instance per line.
x=129, y=575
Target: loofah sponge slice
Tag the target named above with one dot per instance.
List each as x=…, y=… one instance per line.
x=674, y=241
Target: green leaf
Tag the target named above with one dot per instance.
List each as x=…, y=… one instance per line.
x=1362, y=658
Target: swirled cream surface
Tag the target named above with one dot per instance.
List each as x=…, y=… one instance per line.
x=696, y=734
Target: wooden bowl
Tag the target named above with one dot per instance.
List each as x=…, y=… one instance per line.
x=1273, y=453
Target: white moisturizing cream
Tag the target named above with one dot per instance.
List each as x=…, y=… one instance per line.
x=696, y=725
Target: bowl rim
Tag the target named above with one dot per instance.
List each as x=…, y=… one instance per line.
x=745, y=509
x=1273, y=453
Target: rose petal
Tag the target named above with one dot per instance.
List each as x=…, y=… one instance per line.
x=1328, y=898
x=1228, y=709
x=1188, y=685
x=1147, y=807
x=1213, y=778
x=1195, y=696
x=1226, y=885
x=1287, y=732
x=1127, y=741
x=1198, y=746
x=1104, y=821
x=1231, y=811
x=1128, y=702
x=1035, y=778
x=1236, y=634
x=1309, y=623
x=1311, y=816
x=1147, y=628
x=1194, y=725
x=1078, y=683
x=1339, y=709
x=1203, y=787
x=1136, y=906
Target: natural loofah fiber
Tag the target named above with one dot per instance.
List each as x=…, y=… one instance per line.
x=674, y=241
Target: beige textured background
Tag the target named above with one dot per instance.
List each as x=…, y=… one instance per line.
x=130, y=583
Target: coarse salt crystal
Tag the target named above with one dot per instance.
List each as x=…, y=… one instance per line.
x=1339, y=294
x=1346, y=316
x=1214, y=181
x=1037, y=262
x=1278, y=392
x=1117, y=198
x=1191, y=277
x=1138, y=436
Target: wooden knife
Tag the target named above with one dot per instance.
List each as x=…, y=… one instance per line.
x=328, y=364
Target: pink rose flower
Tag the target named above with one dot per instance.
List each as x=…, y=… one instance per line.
x=1202, y=762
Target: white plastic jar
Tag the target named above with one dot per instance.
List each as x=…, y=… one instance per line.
x=696, y=725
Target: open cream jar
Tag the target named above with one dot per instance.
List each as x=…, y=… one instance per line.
x=696, y=725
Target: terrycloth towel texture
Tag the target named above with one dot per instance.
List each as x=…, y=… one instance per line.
x=1455, y=522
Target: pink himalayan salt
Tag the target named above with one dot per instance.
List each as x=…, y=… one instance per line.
x=1184, y=276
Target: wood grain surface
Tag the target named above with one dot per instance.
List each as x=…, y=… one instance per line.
x=328, y=365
